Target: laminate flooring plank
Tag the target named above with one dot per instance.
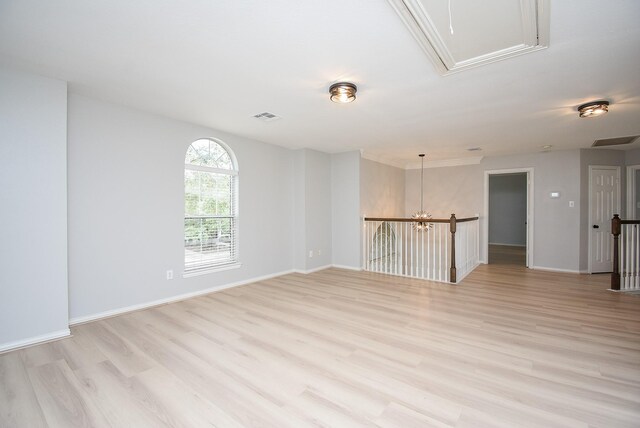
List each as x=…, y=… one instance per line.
x=187, y=407
x=122, y=400
x=19, y=406
x=61, y=398
x=120, y=351
x=398, y=416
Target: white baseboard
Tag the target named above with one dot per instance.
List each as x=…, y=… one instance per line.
x=312, y=270
x=12, y=346
x=549, y=269
x=359, y=269
x=305, y=272
x=177, y=298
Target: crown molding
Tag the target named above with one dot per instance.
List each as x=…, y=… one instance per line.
x=417, y=165
x=383, y=159
x=445, y=162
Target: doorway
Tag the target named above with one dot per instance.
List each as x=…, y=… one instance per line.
x=508, y=209
x=604, y=202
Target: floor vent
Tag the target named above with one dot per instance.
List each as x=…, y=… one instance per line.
x=618, y=141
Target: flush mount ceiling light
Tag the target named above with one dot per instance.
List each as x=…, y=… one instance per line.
x=343, y=92
x=593, y=109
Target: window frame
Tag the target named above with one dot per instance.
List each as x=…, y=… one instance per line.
x=234, y=261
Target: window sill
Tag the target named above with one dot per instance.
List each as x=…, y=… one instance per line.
x=211, y=270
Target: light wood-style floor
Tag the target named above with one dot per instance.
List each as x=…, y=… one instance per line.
x=508, y=347
x=507, y=255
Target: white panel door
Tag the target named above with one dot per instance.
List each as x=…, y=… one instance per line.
x=604, y=202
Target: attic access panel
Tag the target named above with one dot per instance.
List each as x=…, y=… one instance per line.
x=459, y=34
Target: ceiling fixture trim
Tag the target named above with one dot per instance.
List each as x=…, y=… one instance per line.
x=343, y=92
x=535, y=32
x=593, y=109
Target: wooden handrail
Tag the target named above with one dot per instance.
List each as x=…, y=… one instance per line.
x=413, y=220
x=616, y=229
x=452, y=221
x=452, y=228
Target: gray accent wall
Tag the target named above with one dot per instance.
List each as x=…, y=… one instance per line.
x=33, y=213
x=508, y=209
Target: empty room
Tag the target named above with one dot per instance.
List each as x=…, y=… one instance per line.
x=337, y=213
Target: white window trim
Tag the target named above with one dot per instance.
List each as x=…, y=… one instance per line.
x=213, y=269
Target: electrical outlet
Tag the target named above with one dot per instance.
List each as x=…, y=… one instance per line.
x=571, y=204
x=319, y=252
x=310, y=253
x=169, y=274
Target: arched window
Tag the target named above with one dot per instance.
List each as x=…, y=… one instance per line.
x=210, y=206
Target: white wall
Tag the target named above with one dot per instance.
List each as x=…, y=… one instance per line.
x=460, y=190
x=299, y=249
x=345, y=206
x=382, y=190
x=317, y=209
x=33, y=217
x=126, y=208
x=508, y=209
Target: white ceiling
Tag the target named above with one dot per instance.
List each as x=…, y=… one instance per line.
x=218, y=63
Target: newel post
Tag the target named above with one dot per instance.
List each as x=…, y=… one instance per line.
x=452, y=228
x=615, y=275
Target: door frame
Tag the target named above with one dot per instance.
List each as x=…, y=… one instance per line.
x=530, y=211
x=590, y=223
x=631, y=190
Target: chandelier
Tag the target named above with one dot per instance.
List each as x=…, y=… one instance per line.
x=422, y=217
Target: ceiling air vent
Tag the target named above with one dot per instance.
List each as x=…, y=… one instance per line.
x=618, y=141
x=266, y=116
x=460, y=34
